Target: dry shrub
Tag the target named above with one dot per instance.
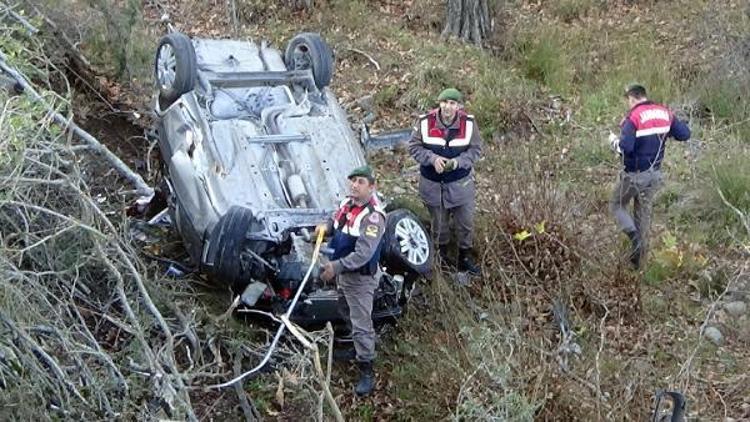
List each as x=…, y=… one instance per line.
x=88, y=330
x=533, y=228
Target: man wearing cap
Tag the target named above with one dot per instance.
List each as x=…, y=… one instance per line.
x=358, y=228
x=446, y=144
x=642, y=140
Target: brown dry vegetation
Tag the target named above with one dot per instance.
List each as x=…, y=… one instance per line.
x=545, y=90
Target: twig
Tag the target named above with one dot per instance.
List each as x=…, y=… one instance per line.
x=369, y=57
x=250, y=411
x=42, y=355
x=744, y=219
x=324, y=378
x=29, y=27
x=596, y=360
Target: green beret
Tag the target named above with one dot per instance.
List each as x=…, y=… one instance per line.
x=364, y=171
x=450, y=94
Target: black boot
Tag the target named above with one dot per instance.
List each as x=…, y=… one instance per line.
x=636, y=248
x=366, y=379
x=466, y=262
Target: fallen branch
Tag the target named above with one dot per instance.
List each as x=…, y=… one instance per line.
x=324, y=379
x=142, y=188
x=29, y=27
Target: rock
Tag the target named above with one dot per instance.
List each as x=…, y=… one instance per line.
x=714, y=335
x=367, y=102
x=736, y=308
x=398, y=190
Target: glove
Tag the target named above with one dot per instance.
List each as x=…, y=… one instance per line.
x=451, y=165
x=614, y=143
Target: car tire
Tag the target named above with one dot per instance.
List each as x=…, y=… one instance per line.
x=175, y=68
x=226, y=242
x=407, y=246
x=308, y=51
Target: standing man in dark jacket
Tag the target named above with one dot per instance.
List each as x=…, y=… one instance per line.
x=358, y=228
x=446, y=144
x=642, y=140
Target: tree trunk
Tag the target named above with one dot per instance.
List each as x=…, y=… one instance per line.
x=468, y=20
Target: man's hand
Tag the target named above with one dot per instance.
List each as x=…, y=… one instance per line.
x=328, y=272
x=320, y=228
x=439, y=164
x=450, y=165
x=614, y=143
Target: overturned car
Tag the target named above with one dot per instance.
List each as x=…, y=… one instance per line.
x=256, y=150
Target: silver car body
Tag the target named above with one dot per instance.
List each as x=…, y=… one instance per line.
x=256, y=135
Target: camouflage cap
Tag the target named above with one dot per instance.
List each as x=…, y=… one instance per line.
x=364, y=171
x=450, y=94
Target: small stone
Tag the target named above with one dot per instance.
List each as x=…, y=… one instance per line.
x=736, y=308
x=367, y=102
x=462, y=279
x=714, y=335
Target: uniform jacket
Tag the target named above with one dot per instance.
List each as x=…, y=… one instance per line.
x=357, y=235
x=643, y=135
x=459, y=140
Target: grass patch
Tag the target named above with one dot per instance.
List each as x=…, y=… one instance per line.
x=543, y=57
x=732, y=177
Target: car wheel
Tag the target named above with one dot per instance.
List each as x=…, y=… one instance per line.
x=227, y=241
x=175, y=67
x=309, y=51
x=407, y=246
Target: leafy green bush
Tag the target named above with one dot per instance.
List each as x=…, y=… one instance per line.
x=544, y=58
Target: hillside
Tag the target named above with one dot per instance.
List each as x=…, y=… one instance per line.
x=558, y=327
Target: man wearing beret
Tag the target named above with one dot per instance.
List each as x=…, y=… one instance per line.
x=446, y=144
x=358, y=228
